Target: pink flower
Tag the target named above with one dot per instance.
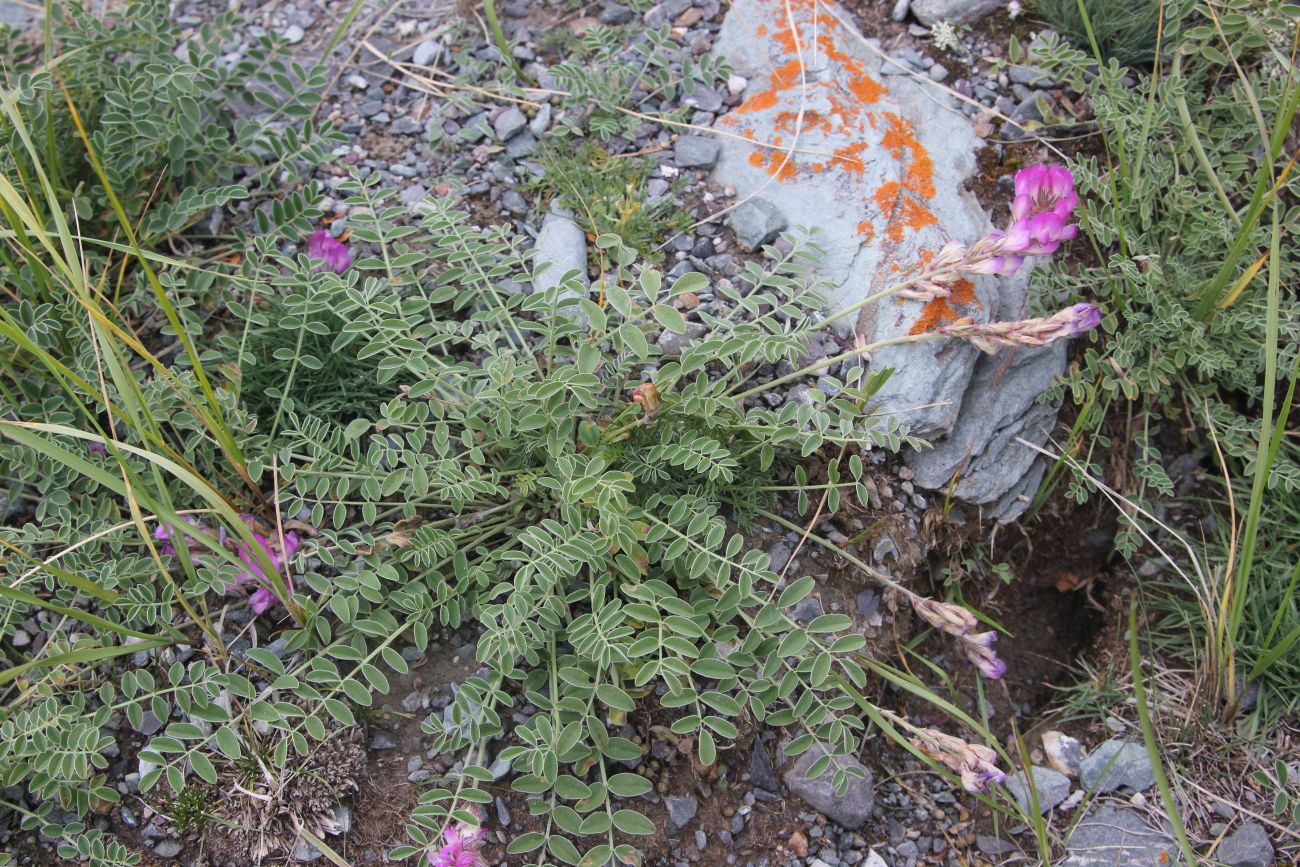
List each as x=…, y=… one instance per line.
x=952, y=619
x=262, y=597
x=975, y=763
x=461, y=848
x=332, y=253
x=1040, y=213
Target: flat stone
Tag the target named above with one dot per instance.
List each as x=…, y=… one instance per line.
x=931, y=12
x=523, y=145
x=674, y=344
x=756, y=222
x=680, y=812
x=695, y=151
x=293, y=34
x=1248, y=846
x=305, y=852
x=1115, y=764
x=1050, y=787
x=851, y=809
x=1114, y=837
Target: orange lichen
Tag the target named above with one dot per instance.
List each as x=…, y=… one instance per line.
x=866, y=229
x=848, y=157
x=919, y=172
x=941, y=311
x=866, y=88
x=758, y=102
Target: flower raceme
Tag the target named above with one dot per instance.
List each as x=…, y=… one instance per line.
x=460, y=848
x=329, y=251
x=261, y=598
x=975, y=763
x=958, y=622
x=991, y=336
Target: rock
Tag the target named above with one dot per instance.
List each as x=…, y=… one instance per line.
x=615, y=13
x=1050, y=787
x=149, y=724
x=20, y=638
x=509, y=123
x=850, y=809
x=756, y=222
x=425, y=53
x=994, y=846
x=382, y=740
x=695, y=151
x=1114, y=837
x=293, y=34
x=874, y=860
x=899, y=11
x=168, y=848
x=680, y=812
x=981, y=452
x=1064, y=753
x=807, y=610
x=541, y=121
x=938, y=72
x=931, y=12
x=761, y=774
x=342, y=820
x=893, y=191
x=674, y=344
x=1117, y=763
x=562, y=247
x=1247, y=847
x=305, y=852
x=514, y=202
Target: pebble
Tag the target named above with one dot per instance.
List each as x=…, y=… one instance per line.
x=938, y=72
x=681, y=810
x=168, y=848
x=293, y=34
x=425, y=53
x=695, y=151
x=509, y=123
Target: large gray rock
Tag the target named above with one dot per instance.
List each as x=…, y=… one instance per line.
x=931, y=12
x=852, y=808
x=1247, y=847
x=1050, y=787
x=879, y=172
x=1120, y=838
x=1117, y=763
x=998, y=407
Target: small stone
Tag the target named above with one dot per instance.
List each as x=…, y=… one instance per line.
x=383, y=740
x=1115, y=764
x=20, y=638
x=680, y=812
x=1050, y=787
x=615, y=13
x=674, y=344
x=342, y=820
x=701, y=839
x=1063, y=752
x=305, y=852
x=1247, y=847
x=736, y=84
x=293, y=34
x=425, y=53
x=522, y=145
x=149, y=724
x=509, y=123
x=756, y=222
x=938, y=72
x=514, y=202
x=900, y=10
x=695, y=151
x=761, y=774
x=168, y=848
x=541, y=121
x=807, y=610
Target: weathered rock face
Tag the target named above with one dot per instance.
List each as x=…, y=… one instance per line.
x=1114, y=837
x=931, y=12
x=850, y=809
x=878, y=172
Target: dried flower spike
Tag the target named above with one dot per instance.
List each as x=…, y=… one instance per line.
x=992, y=336
x=975, y=763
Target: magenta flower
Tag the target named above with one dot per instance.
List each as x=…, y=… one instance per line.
x=461, y=848
x=1080, y=319
x=331, y=252
x=262, y=597
x=979, y=650
x=1040, y=213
